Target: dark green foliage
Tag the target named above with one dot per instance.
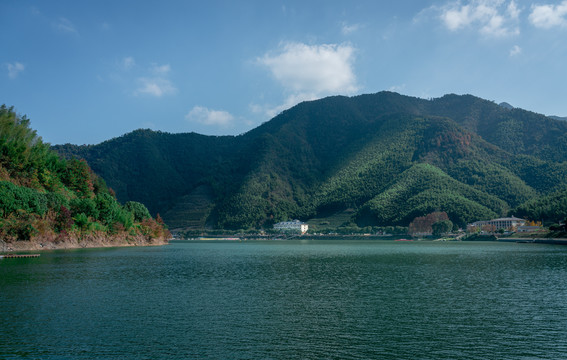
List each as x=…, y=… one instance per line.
x=550, y=208
x=424, y=189
x=85, y=206
x=442, y=227
x=390, y=158
x=64, y=220
x=108, y=209
x=138, y=210
x=23, y=156
x=14, y=198
x=56, y=200
x=82, y=221
x=43, y=195
x=480, y=237
x=77, y=177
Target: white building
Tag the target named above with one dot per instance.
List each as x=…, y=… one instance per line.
x=509, y=223
x=294, y=225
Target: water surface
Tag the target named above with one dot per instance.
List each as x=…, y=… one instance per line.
x=288, y=299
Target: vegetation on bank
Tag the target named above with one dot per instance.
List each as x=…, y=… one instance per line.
x=45, y=198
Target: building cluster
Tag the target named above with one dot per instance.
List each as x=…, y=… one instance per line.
x=292, y=226
x=502, y=224
x=489, y=226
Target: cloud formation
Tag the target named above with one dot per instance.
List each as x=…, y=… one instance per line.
x=65, y=25
x=157, y=87
x=347, y=29
x=210, y=117
x=157, y=83
x=492, y=18
x=549, y=16
x=128, y=63
x=309, y=72
x=515, y=51
x=15, y=69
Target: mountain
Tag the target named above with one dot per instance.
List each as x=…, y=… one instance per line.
x=372, y=160
x=47, y=201
x=564, y=118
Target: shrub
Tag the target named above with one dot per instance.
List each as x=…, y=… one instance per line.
x=84, y=206
x=137, y=209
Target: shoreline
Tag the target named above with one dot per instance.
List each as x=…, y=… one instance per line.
x=69, y=244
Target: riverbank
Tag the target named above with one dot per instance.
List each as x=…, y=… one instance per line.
x=90, y=241
x=553, y=241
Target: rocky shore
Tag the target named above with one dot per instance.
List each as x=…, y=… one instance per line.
x=71, y=242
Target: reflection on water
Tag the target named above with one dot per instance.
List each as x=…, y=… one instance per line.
x=282, y=300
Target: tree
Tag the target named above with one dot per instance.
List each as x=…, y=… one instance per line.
x=139, y=210
x=86, y=206
x=424, y=224
x=109, y=210
x=78, y=177
x=442, y=227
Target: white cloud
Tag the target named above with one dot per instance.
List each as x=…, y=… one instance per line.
x=493, y=18
x=15, y=69
x=515, y=51
x=309, y=72
x=161, y=69
x=65, y=25
x=156, y=86
x=128, y=62
x=349, y=29
x=154, y=82
x=313, y=68
x=548, y=16
x=209, y=117
x=397, y=88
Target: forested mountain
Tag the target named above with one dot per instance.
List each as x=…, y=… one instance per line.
x=383, y=158
x=49, y=200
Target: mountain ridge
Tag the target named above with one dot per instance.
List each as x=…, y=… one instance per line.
x=336, y=153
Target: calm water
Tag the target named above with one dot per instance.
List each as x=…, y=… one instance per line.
x=288, y=300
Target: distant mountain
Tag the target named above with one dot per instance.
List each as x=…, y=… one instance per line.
x=505, y=105
x=559, y=118
x=371, y=160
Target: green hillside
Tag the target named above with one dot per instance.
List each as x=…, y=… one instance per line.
x=47, y=199
x=383, y=158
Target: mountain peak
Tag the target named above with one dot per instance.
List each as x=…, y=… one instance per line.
x=505, y=105
x=325, y=156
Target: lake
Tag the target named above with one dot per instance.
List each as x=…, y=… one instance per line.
x=288, y=300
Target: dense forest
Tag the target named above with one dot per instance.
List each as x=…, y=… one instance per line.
x=371, y=160
x=48, y=199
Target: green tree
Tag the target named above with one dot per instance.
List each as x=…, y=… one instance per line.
x=86, y=206
x=139, y=210
x=442, y=227
x=78, y=177
x=109, y=210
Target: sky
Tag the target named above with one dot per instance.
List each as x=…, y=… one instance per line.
x=87, y=71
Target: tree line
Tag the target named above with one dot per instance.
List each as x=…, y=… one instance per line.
x=47, y=198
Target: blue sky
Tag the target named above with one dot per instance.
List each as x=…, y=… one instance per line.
x=87, y=71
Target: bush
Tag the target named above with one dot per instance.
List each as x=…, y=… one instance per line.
x=108, y=208
x=82, y=221
x=13, y=198
x=64, y=220
x=84, y=206
x=139, y=210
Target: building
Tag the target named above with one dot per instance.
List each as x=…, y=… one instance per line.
x=508, y=224
x=294, y=226
x=526, y=229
